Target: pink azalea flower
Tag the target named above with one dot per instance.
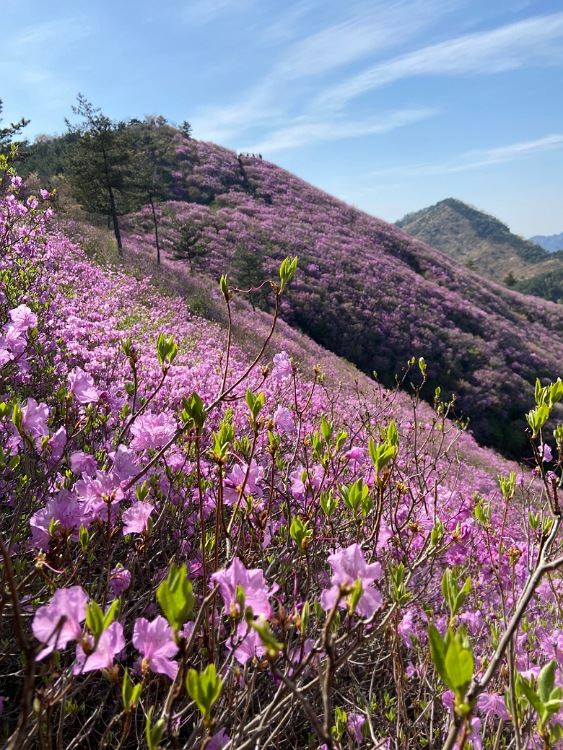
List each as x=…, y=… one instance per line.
x=234, y=481
x=492, y=704
x=60, y=621
x=248, y=644
x=23, y=319
x=82, y=386
x=154, y=640
x=219, y=740
x=356, y=454
x=252, y=582
x=124, y=465
x=97, y=494
x=283, y=420
x=348, y=566
x=448, y=699
x=83, y=463
x=5, y=356
x=546, y=453
x=35, y=418
x=14, y=340
x=119, y=580
x=475, y=736
x=65, y=509
x=354, y=725
x=57, y=443
x=135, y=518
x=385, y=534
x=407, y=629
x=297, y=483
x=152, y=431
x=282, y=368
x=110, y=644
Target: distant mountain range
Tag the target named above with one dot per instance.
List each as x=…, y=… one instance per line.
x=550, y=242
x=487, y=246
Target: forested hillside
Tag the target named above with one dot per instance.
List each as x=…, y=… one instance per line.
x=486, y=245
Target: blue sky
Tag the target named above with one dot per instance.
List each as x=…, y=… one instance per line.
x=389, y=104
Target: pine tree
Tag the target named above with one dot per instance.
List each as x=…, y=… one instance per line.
x=100, y=163
x=153, y=143
x=8, y=148
x=189, y=243
x=7, y=134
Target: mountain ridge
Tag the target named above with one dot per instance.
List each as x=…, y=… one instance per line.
x=486, y=245
x=551, y=242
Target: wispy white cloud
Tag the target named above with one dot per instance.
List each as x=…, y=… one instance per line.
x=200, y=12
x=477, y=158
x=285, y=27
x=304, y=130
x=367, y=29
x=37, y=37
x=534, y=40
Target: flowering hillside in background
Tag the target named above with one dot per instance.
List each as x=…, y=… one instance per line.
x=209, y=543
x=366, y=290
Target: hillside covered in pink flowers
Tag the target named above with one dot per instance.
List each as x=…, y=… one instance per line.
x=366, y=290
x=216, y=534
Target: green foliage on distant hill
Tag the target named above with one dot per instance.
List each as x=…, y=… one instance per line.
x=487, y=246
x=548, y=285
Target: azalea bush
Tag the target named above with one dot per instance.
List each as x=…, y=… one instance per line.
x=202, y=548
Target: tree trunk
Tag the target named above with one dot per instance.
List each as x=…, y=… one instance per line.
x=155, y=222
x=115, y=220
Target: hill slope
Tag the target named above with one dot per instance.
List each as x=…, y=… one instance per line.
x=366, y=290
x=550, y=242
x=110, y=476
x=487, y=246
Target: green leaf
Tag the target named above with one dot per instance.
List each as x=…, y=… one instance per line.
x=537, y=418
x=437, y=651
x=459, y=666
x=153, y=733
x=328, y=502
x=546, y=681
x=166, y=349
x=130, y=693
x=224, y=286
x=355, y=595
x=301, y=532
x=326, y=429
x=110, y=613
x=175, y=596
x=204, y=688
x=95, y=619
x=526, y=689
x=193, y=411
x=305, y=617
x=288, y=266
x=392, y=436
